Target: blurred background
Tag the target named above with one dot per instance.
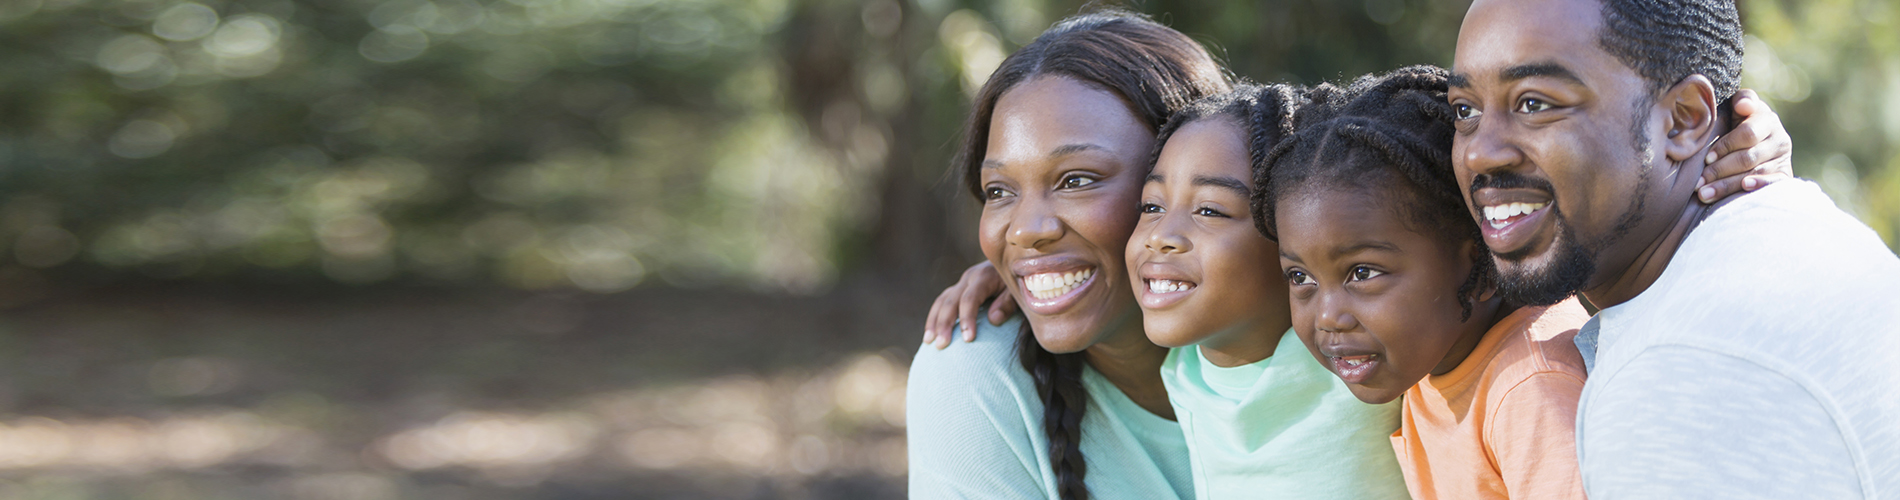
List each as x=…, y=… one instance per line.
x=576, y=249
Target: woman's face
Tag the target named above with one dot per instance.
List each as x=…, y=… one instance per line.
x=1060, y=179
x=1204, y=274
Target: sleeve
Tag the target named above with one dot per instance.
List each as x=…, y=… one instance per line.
x=1532, y=437
x=1681, y=422
x=968, y=424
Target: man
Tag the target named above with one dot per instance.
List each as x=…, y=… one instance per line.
x=1749, y=349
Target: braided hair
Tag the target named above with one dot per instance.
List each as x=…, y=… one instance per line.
x=1391, y=132
x=1155, y=70
x=1265, y=112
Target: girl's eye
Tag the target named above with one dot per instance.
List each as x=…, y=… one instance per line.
x=1465, y=111
x=1076, y=182
x=1532, y=105
x=1209, y=212
x=1299, y=278
x=995, y=193
x=1150, y=208
x=1362, y=273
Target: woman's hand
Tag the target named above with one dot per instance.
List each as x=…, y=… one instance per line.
x=1753, y=154
x=959, y=303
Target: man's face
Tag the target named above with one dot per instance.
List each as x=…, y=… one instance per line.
x=1553, y=142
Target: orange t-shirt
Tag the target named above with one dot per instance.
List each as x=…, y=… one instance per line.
x=1503, y=423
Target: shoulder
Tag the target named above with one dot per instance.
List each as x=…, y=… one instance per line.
x=1541, y=348
x=971, y=417
x=1701, y=421
x=966, y=372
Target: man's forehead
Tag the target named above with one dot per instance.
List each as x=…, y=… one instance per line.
x=1506, y=39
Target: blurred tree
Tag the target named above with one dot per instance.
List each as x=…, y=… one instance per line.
x=601, y=144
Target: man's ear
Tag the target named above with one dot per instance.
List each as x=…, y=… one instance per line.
x=1693, y=117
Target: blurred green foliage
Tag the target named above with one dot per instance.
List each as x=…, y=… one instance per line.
x=600, y=144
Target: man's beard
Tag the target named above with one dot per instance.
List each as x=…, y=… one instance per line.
x=1569, y=271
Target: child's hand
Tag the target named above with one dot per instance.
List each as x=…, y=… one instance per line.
x=1755, y=153
x=960, y=302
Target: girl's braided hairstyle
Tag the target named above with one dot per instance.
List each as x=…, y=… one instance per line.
x=1155, y=70
x=1391, y=132
x=1265, y=112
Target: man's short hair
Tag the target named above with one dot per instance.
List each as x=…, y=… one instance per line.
x=1665, y=41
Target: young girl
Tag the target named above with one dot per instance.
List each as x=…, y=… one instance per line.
x=1392, y=290
x=1056, y=149
x=1260, y=417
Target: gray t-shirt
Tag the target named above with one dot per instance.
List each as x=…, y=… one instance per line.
x=1763, y=363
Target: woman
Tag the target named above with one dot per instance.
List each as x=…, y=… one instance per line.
x=1057, y=148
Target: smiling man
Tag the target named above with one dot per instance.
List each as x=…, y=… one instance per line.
x=1749, y=349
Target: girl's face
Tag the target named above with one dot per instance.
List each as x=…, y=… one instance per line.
x=1060, y=178
x=1203, y=274
x=1374, y=300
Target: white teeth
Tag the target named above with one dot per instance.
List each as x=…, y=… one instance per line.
x=1498, y=213
x=1052, y=285
x=1168, y=286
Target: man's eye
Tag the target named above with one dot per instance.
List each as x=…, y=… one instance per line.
x=1465, y=111
x=1208, y=212
x=1532, y=106
x=1150, y=208
x=1299, y=278
x=1076, y=182
x=995, y=193
x=1362, y=273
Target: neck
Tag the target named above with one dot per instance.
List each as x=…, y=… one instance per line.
x=1484, y=316
x=1243, y=345
x=1127, y=359
x=1654, y=257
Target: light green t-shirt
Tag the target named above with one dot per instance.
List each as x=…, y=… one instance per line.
x=974, y=424
x=1283, y=427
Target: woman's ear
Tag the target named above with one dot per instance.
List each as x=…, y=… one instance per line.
x=1693, y=118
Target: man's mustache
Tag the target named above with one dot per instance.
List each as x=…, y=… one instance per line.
x=1510, y=180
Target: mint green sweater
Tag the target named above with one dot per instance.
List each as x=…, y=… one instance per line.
x=975, y=430
x=1282, y=427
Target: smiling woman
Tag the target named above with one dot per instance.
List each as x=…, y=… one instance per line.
x=1057, y=148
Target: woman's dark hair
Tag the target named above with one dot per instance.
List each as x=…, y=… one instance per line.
x=1153, y=68
x=1392, y=133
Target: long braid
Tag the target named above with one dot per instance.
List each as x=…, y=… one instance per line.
x=1394, y=130
x=1058, y=380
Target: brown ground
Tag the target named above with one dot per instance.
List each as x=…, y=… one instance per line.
x=166, y=392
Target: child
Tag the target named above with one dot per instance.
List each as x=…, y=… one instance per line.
x=1393, y=291
x=1260, y=417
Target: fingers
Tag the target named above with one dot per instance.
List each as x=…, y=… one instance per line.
x=967, y=305
x=1756, y=152
x=943, y=315
x=1000, y=310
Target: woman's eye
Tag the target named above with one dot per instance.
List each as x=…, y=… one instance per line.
x=1532, y=105
x=1299, y=278
x=1208, y=212
x=1465, y=111
x=1076, y=182
x=995, y=193
x=1150, y=208
x=1362, y=273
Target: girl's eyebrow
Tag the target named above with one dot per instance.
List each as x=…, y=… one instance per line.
x=1225, y=182
x=1344, y=250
